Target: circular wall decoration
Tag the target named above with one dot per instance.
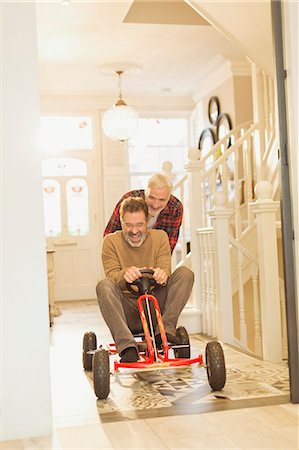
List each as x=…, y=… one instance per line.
x=205, y=143
x=213, y=110
x=224, y=126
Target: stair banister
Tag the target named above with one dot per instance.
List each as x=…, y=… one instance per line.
x=265, y=210
x=195, y=192
x=256, y=314
x=232, y=134
x=220, y=216
x=229, y=151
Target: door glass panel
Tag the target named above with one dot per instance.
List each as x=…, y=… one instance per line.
x=52, y=210
x=77, y=207
x=58, y=133
x=64, y=167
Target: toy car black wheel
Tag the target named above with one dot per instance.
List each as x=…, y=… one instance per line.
x=183, y=339
x=215, y=364
x=89, y=343
x=101, y=373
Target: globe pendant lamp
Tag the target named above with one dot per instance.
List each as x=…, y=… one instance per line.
x=120, y=121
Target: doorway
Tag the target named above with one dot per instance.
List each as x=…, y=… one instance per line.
x=71, y=226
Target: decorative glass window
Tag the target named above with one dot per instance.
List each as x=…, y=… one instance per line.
x=77, y=207
x=156, y=141
x=58, y=133
x=52, y=210
x=63, y=167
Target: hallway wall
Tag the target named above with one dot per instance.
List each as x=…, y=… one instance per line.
x=25, y=379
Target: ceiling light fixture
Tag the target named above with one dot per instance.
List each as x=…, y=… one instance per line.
x=120, y=121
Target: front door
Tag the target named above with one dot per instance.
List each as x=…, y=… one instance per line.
x=71, y=226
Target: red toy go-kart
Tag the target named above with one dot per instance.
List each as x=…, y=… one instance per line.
x=151, y=356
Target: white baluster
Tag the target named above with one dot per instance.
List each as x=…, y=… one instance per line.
x=243, y=327
x=207, y=284
x=202, y=284
x=195, y=194
x=256, y=311
x=220, y=216
x=265, y=209
x=211, y=251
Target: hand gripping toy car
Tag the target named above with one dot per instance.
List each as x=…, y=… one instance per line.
x=151, y=356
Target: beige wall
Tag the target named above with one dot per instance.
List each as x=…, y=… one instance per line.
x=235, y=98
x=225, y=95
x=243, y=99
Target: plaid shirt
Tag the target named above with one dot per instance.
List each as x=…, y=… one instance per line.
x=169, y=219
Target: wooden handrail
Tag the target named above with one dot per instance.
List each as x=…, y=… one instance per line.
x=179, y=183
x=224, y=139
x=230, y=150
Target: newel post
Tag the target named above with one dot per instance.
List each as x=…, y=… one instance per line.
x=224, y=306
x=265, y=210
x=193, y=169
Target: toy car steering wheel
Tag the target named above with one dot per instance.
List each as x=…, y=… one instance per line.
x=144, y=284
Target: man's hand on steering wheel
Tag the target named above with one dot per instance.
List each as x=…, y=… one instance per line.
x=132, y=273
x=160, y=276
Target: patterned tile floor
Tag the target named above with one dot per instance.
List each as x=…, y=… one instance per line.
x=170, y=409
x=146, y=394
x=186, y=390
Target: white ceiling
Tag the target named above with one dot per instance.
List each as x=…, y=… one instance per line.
x=75, y=40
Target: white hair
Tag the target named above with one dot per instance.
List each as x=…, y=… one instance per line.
x=159, y=181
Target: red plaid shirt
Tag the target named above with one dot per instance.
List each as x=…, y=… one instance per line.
x=169, y=219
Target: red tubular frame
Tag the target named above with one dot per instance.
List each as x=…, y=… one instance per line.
x=148, y=361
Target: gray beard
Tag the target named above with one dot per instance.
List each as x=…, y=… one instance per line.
x=135, y=244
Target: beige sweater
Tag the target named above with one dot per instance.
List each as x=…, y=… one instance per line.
x=117, y=254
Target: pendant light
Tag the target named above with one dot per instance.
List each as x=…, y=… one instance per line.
x=120, y=121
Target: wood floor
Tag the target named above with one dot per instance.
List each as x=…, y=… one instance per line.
x=165, y=409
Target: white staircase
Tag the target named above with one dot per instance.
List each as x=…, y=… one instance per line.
x=231, y=220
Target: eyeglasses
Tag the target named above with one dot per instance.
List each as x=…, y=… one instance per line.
x=138, y=226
